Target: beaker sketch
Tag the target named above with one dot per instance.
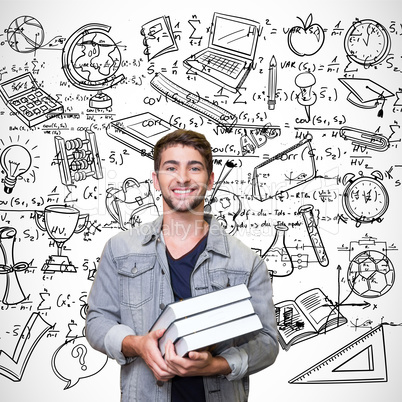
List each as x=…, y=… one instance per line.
x=277, y=257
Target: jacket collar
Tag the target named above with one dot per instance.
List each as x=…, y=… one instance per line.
x=217, y=237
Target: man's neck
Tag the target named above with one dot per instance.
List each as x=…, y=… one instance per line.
x=186, y=227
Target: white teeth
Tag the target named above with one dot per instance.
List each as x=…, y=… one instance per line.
x=182, y=191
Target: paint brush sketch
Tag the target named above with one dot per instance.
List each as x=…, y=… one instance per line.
x=302, y=106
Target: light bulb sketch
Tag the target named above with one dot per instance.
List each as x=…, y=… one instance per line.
x=15, y=161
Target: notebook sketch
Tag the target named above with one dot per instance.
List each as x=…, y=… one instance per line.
x=230, y=53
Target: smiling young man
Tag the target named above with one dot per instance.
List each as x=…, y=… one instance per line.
x=183, y=253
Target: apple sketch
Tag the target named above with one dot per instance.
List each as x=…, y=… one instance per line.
x=306, y=40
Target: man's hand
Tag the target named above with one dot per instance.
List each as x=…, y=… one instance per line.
x=197, y=363
x=147, y=348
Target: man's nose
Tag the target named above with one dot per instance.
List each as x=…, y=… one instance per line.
x=183, y=176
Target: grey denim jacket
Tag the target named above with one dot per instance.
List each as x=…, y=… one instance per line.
x=132, y=286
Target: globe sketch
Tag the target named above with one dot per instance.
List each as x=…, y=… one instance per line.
x=91, y=60
x=371, y=274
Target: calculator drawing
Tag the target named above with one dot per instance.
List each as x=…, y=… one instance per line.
x=30, y=104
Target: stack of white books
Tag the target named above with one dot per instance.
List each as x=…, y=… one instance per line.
x=206, y=320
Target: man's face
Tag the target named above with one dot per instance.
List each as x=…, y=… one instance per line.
x=182, y=179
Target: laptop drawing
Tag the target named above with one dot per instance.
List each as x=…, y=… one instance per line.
x=230, y=53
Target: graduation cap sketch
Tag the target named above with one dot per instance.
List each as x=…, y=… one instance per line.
x=365, y=93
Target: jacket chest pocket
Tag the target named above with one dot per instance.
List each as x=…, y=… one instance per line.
x=136, y=274
x=223, y=277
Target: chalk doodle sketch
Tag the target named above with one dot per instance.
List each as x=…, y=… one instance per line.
x=302, y=105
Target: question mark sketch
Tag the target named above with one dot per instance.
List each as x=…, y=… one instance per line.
x=80, y=351
x=76, y=352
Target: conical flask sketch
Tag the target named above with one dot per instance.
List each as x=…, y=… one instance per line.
x=277, y=257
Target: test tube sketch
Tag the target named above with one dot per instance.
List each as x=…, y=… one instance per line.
x=229, y=56
x=306, y=211
x=78, y=158
x=131, y=204
x=308, y=315
x=159, y=37
x=91, y=60
x=13, y=293
x=60, y=222
x=306, y=39
x=361, y=361
x=13, y=366
x=281, y=173
x=365, y=199
x=225, y=205
x=75, y=360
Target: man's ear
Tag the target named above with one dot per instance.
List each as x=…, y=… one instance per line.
x=155, y=181
x=211, y=181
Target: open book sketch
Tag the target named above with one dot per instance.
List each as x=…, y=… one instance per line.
x=310, y=314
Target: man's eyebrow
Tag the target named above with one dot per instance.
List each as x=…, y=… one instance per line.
x=189, y=163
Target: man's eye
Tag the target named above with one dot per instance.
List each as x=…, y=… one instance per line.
x=195, y=169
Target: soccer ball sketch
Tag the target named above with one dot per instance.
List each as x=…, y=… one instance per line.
x=371, y=274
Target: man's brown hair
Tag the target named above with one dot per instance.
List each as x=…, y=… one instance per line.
x=186, y=138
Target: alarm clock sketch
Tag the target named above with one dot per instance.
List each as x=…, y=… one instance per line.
x=365, y=199
x=367, y=42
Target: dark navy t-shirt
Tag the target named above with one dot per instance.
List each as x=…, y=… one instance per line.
x=185, y=389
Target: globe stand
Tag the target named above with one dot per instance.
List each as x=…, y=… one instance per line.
x=100, y=101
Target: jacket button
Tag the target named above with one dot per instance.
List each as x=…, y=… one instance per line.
x=159, y=383
x=134, y=270
x=162, y=306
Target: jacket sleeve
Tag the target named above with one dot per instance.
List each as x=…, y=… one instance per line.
x=261, y=350
x=104, y=331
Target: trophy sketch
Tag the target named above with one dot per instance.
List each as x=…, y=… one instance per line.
x=60, y=222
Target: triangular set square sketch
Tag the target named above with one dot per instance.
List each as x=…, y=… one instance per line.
x=361, y=361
